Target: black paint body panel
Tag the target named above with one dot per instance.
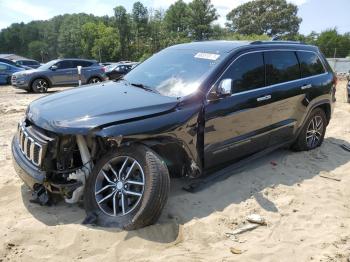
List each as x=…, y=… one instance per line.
x=210, y=132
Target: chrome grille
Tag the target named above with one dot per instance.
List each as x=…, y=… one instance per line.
x=32, y=150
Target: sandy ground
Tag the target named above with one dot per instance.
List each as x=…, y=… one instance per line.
x=308, y=216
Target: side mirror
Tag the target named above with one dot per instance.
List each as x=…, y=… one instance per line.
x=224, y=88
x=54, y=67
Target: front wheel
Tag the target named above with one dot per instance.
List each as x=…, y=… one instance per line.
x=127, y=188
x=312, y=134
x=40, y=86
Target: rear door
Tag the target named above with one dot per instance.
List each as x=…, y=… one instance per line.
x=63, y=75
x=85, y=70
x=283, y=78
x=238, y=125
x=4, y=74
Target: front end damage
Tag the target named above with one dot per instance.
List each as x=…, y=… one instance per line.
x=60, y=164
x=52, y=164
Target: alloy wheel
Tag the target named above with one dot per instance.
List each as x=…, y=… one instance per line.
x=119, y=186
x=41, y=86
x=95, y=80
x=314, y=132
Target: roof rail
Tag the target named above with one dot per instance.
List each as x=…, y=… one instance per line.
x=277, y=42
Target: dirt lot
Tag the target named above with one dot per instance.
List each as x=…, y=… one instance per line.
x=308, y=216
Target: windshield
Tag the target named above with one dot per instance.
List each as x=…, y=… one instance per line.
x=174, y=72
x=48, y=65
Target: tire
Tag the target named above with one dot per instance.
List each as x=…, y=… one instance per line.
x=94, y=80
x=312, y=134
x=40, y=85
x=138, y=211
x=8, y=80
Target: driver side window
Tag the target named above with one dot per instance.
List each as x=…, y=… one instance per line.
x=65, y=64
x=247, y=72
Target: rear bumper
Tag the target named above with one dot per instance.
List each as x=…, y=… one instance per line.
x=24, y=169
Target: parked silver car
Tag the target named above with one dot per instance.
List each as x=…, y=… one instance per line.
x=60, y=72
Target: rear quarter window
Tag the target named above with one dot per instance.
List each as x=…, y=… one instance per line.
x=310, y=64
x=281, y=66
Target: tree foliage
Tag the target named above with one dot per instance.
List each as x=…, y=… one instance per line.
x=270, y=17
x=330, y=42
x=177, y=18
x=202, y=14
x=138, y=34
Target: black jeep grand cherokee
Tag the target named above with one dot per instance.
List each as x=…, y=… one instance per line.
x=184, y=111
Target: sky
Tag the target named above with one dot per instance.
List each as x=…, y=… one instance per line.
x=317, y=15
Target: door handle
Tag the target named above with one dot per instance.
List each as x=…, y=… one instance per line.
x=263, y=98
x=306, y=87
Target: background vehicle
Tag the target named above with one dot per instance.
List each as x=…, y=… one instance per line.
x=118, y=143
x=348, y=89
x=60, y=72
x=117, y=71
x=10, y=62
x=27, y=62
x=6, y=72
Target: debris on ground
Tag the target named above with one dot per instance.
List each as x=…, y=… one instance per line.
x=235, y=251
x=331, y=178
x=245, y=228
x=345, y=147
x=256, y=219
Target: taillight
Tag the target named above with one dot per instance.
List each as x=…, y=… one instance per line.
x=335, y=80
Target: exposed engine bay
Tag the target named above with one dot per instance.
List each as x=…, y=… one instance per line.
x=67, y=161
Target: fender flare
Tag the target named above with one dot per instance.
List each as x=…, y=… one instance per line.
x=315, y=105
x=37, y=77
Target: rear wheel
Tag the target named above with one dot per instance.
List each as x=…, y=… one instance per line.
x=127, y=188
x=40, y=85
x=94, y=80
x=312, y=134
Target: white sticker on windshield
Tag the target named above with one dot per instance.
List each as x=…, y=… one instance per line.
x=207, y=56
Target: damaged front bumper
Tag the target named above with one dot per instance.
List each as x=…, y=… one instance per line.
x=30, y=174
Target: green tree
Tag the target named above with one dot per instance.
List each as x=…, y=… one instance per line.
x=38, y=50
x=201, y=15
x=100, y=41
x=140, y=21
x=331, y=43
x=123, y=23
x=177, y=17
x=270, y=17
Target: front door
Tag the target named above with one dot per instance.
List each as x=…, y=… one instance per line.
x=239, y=125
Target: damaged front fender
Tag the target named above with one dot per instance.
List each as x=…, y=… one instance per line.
x=179, y=127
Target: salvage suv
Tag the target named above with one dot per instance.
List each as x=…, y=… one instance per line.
x=186, y=111
x=60, y=72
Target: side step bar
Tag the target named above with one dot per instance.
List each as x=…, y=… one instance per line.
x=201, y=183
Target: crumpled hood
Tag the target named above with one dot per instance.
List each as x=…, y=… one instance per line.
x=79, y=110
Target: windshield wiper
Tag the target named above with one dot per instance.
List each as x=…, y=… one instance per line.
x=144, y=87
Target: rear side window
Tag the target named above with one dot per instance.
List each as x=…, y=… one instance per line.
x=82, y=63
x=281, y=66
x=310, y=64
x=65, y=64
x=3, y=68
x=29, y=63
x=247, y=72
